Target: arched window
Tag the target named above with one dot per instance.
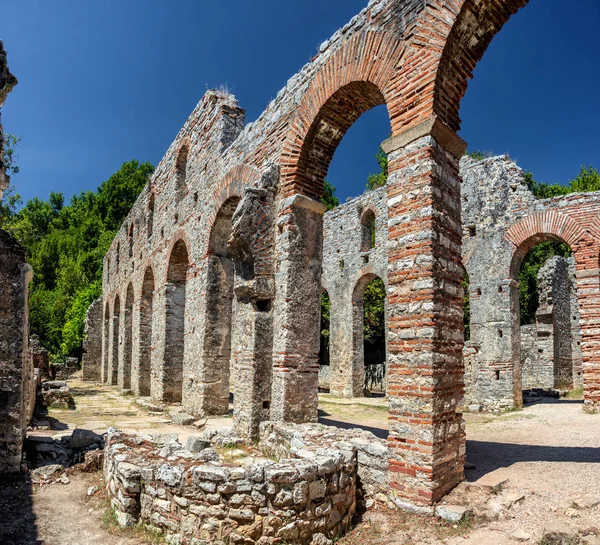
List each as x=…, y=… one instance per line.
x=367, y=223
x=150, y=216
x=181, y=171
x=130, y=240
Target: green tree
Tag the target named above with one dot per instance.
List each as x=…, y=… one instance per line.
x=66, y=245
x=380, y=179
x=329, y=199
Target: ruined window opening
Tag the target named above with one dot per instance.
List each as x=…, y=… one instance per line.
x=365, y=259
x=195, y=197
x=130, y=240
x=176, y=218
x=472, y=231
x=497, y=375
x=342, y=264
x=263, y=305
x=500, y=333
x=367, y=223
x=325, y=325
x=162, y=232
x=500, y=289
x=478, y=291
x=117, y=257
x=266, y=404
x=108, y=269
x=150, y=216
x=181, y=167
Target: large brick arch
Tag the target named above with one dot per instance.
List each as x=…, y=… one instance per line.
x=354, y=79
x=449, y=40
x=540, y=227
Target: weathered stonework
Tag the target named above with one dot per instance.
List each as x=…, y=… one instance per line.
x=160, y=283
x=17, y=375
x=91, y=361
x=301, y=499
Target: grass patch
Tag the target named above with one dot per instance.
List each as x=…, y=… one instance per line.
x=575, y=393
x=142, y=533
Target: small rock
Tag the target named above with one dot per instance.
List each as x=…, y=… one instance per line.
x=45, y=472
x=200, y=423
x=560, y=533
x=320, y=539
x=474, y=408
x=84, y=438
x=586, y=501
x=381, y=497
x=370, y=503
x=520, y=535
x=183, y=419
x=571, y=513
x=510, y=498
x=453, y=513
x=92, y=490
x=197, y=444
x=64, y=479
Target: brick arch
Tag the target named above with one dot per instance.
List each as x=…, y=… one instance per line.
x=231, y=185
x=540, y=227
x=363, y=278
x=353, y=80
x=182, y=235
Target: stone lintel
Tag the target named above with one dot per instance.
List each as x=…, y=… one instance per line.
x=302, y=201
x=433, y=126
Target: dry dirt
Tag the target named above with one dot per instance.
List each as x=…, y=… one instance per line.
x=549, y=452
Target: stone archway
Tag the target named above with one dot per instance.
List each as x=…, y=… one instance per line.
x=126, y=359
x=142, y=375
x=175, y=305
x=113, y=371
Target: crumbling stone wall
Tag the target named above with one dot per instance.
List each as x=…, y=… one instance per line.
x=215, y=158
x=349, y=263
x=17, y=375
x=92, y=344
x=550, y=353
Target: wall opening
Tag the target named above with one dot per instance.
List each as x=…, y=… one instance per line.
x=324, y=354
x=181, y=167
x=150, y=216
x=374, y=335
x=114, y=364
x=175, y=301
x=219, y=379
x=125, y=379
x=368, y=227
x=145, y=334
x=106, y=341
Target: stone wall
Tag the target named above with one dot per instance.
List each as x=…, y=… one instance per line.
x=17, y=375
x=92, y=344
x=303, y=499
x=352, y=257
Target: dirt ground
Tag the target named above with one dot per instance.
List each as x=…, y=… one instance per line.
x=549, y=453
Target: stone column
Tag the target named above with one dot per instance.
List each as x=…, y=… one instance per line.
x=92, y=343
x=341, y=344
x=136, y=363
x=586, y=254
x=114, y=344
x=158, y=343
x=426, y=373
x=299, y=249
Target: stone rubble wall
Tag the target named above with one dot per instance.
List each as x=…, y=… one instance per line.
x=303, y=500
x=91, y=361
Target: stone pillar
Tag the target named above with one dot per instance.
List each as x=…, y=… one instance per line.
x=251, y=249
x=342, y=345
x=426, y=374
x=158, y=343
x=16, y=364
x=92, y=343
x=586, y=254
x=113, y=360
x=136, y=352
x=575, y=326
x=299, y=248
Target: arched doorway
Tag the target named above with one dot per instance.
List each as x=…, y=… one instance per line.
x=126, y=359
x=217, y=373
x=106, y=345
x=114, y=363
x=144, y=365
x=175, y=303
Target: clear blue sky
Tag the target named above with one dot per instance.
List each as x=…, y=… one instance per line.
x=102, y=82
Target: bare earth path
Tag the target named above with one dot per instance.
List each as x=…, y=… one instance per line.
x=549, y=452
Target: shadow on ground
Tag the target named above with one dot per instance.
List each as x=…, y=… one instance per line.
x=378, y=432
x=17, y=520
x=489, y=456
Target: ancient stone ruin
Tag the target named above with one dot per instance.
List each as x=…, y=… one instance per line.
x=17, y=376
x=212, y=286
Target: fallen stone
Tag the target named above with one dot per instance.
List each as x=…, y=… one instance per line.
x=510, y=498
x=200, y=423
x=197, y=444
x=54, y=384
x=572, y=513
x=520, y=535
x=560, y=533
x=453, y=513
x=320, y=539
x=64, y=479
x=45, y=472
x=586, y=501
x=84, y=438
x=381, y=497
x=92, y=490
x=183, y=419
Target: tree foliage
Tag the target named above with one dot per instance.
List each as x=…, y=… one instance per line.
x=66, y=245
x=329, y=199
x=379, y=180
